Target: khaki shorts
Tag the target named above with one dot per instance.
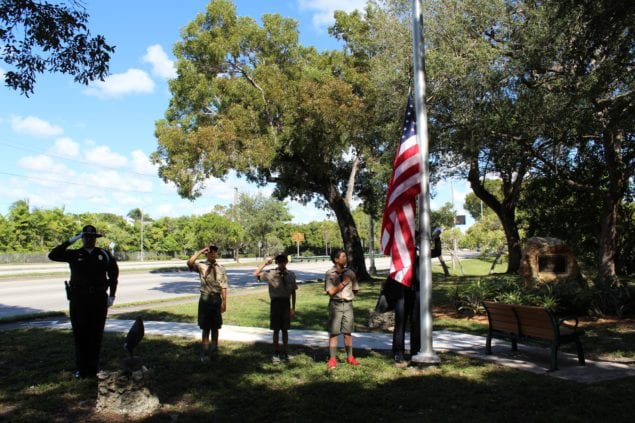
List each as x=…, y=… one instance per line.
x=340, y=317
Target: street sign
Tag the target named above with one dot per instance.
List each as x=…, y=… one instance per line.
x=297, y=236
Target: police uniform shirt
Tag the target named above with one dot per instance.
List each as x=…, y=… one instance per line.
x=89, y=268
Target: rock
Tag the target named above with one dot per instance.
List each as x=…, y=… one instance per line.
x=123, y=392
x=547, y=260
x=384, y=321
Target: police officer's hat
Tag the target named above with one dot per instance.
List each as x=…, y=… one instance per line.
x=89, y=230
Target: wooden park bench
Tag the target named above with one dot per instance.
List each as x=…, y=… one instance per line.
x=517, y=322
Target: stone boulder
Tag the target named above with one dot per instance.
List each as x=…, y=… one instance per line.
x=549, y=261
x=384, y=321
x=125, y=392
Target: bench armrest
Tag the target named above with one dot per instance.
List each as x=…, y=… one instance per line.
x=562, y=321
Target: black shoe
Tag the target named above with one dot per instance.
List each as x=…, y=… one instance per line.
x=398, y=357
x=77, y=374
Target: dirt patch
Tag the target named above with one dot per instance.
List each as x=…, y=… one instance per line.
x=447, y=311
x=624, y=325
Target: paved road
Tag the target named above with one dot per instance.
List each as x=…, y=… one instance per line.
x=29, y=295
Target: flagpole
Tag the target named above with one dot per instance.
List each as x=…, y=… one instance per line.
x=426, y=354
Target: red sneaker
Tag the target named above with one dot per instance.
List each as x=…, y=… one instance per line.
x=352, y=361
x=332, y=363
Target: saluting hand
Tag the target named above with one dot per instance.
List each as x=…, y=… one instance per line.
x=76, y=237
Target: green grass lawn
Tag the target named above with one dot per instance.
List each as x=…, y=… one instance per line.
x=241, y=384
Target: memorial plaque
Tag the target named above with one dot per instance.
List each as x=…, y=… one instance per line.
x=554, y=263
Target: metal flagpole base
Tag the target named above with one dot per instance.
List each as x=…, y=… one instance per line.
x=426, y=358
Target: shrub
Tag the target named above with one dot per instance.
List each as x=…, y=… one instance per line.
x=470, y=299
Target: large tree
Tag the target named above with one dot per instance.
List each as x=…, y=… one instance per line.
x=579, y=56
x=480, y=113
x=37, y=37
x=252, y=99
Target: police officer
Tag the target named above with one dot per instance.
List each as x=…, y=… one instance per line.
x=93, y=272
x=406, y=302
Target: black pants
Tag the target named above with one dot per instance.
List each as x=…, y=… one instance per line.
x=406, y=314
x=88, y=318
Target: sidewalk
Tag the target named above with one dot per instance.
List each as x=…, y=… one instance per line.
x=529, y=358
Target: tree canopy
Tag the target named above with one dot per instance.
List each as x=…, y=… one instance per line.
x=250, y=98
x=39, y=37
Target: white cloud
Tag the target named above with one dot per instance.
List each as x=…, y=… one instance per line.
x=42, y=163
x=161, y=64
x=65, y=147
x=133, y=81
x=120, y=184
x=34, y=126
x=324, y=9
x=166, y=209
x=129, y=201
x=103, y=156
x=141, y=163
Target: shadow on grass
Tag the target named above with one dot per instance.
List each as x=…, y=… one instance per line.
x=170, y=269
x=149, y=315
x=608, y=336
x=241, y=384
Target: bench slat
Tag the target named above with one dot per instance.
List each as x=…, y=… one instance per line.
x=501, y=317
x=535, y=322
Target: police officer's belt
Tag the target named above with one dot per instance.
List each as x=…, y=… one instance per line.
x=88, y=289
x=339, y=300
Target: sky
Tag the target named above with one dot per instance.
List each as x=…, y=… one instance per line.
x=86, y=148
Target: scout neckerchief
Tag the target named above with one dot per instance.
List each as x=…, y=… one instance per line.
x=212, y=267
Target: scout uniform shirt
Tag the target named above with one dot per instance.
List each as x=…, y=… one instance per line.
x=332, y=278
x=281, y=285
x=213, y=279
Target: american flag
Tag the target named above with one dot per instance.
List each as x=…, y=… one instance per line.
x=398, y=225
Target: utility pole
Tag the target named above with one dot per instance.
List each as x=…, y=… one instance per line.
x=141, y=234
x=235, y=219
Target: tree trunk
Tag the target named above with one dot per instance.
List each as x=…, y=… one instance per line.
x=446, y=271
x=348, y=230
x=505, y=210
x=494, y=263
x=512, y=237
x=618, y=174
x=606, y=254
